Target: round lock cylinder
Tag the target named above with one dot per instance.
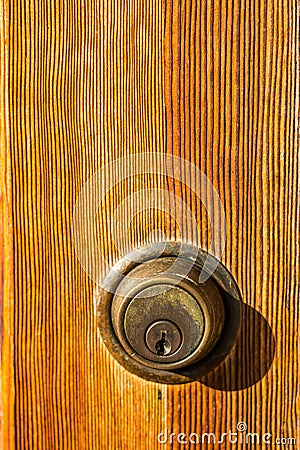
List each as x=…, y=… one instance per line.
x=163, y=320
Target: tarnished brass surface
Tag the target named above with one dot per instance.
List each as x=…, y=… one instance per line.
x=157, y=291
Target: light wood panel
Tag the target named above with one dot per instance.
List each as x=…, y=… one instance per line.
x=232, y=106
x=88, y=82
x=78, y=99
x=6, y=252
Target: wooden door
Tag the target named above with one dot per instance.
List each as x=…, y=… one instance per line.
x=84, y=83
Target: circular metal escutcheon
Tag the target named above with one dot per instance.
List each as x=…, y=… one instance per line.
x=160, y=322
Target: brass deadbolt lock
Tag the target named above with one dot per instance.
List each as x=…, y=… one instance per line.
x=163, y=324
x=156, y=317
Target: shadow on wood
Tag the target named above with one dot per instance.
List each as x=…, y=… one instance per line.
x=251, y=357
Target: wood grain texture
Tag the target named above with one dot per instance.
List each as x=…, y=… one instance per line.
x=213, y=82
x=232, y=97
x=6, y=251
x=78, y=98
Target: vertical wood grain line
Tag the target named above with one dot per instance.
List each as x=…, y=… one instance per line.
x=7, y=388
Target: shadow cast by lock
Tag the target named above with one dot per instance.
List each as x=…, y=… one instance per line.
x=250, y=358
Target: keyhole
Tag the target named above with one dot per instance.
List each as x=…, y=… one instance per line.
x=162, y=346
